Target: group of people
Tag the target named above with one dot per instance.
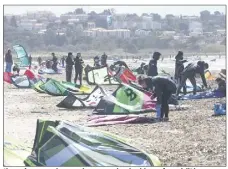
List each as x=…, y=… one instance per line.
x=164, y=87
x=100, y=62
x=78, y=65
x=10, y=64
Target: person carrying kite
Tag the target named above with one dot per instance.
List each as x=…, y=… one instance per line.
x=190, y=72
x=163, y=88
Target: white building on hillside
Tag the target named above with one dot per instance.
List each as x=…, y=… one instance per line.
x=100, y=32
x=80, y=17
x=195, y=28
x=91, y=25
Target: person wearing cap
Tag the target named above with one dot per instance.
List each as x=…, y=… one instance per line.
x=163, y=88
x=8, y=60
x=179, y=67
x=55, y=62
x=190, y=72
x=78, y=63
x=153, y=70
x=69, y=66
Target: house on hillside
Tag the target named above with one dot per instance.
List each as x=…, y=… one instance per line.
x=195, y=28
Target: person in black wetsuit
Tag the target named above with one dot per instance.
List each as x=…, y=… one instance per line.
x=78, y=63
x=96, y=62
x=140, y=70
x=163, y=87
x=104, y=60
x=69, y=66
x=153, y=70
x=119, y=64
x=55, y=62
x=179, y=67
x=190, y=72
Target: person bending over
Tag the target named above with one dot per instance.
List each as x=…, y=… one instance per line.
x=16, y=69
x=190, y=72
x=163, y=87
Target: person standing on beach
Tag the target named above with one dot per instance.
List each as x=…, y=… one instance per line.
x=69, y=66
x=179, y=67
x=30, y=61
x=55, y=62
x=78, y=62
x=9, y=61
x=104, y=60
x=63, y=61
x=163, y=88
x=153, y=70
x=39, y=60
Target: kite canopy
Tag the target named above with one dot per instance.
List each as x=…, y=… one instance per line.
x=189, y=87
x=37, y=85
x=54, y=88
x=125, y=100
x=61, y=144
x=76, y=88
x=49, y=71
x=99, y=76
x=91, y=101
x=203, y=95
x=7, y=77
x=21, y=81
x=14, y=152
x=22, y=55
x=208, y=75
x=125, y=75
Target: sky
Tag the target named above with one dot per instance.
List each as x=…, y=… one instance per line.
x=161, y=10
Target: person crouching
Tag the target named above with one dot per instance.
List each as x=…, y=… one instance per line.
x=163, y=87
x=16, y=69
